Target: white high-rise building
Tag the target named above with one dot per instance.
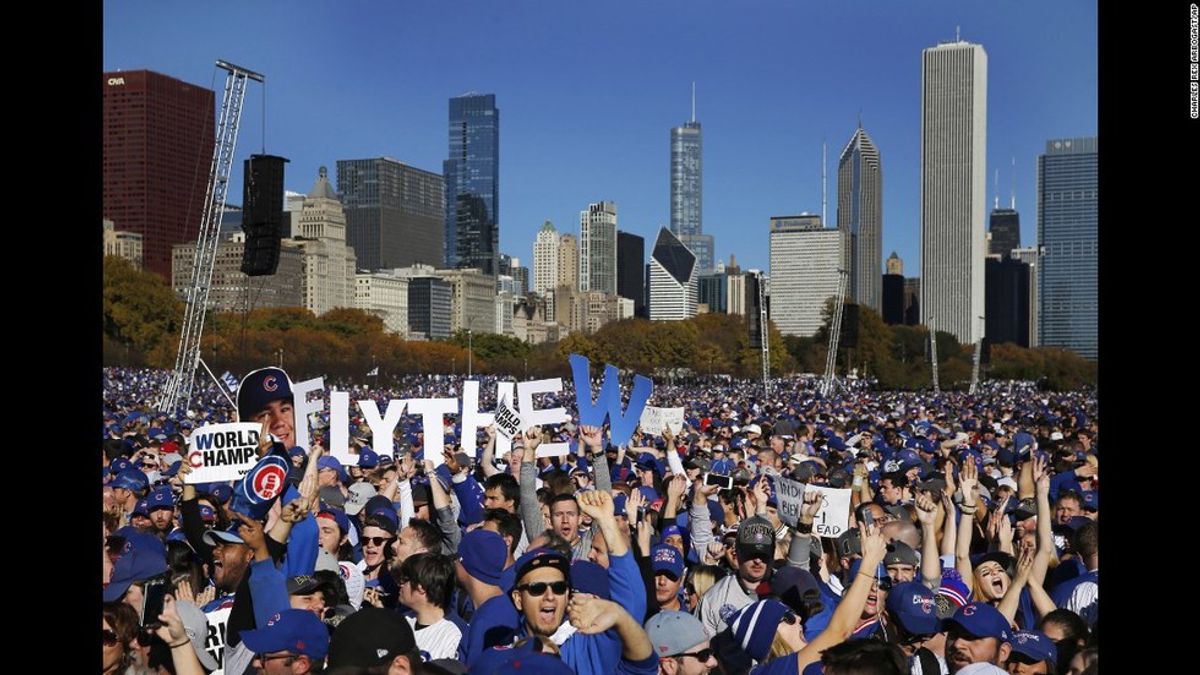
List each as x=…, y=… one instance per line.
x=598, y=248
x=319, y=227
x=673, y=284
x=805, y=262
x=953, y=186
x=385, y=296
x=545, y=260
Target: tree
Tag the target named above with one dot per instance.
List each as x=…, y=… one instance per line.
x=140, y=311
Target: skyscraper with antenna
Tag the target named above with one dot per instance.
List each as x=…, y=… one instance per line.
x=1005, y=224
x=687, y=190
x=860, y=217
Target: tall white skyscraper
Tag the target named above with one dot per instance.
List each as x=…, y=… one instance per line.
x=673, y=285
x=953, y=187
x=545, y=259
x=860, y=218
x=598, y=248
x=805, y=259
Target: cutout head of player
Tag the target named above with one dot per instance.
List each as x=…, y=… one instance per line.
x=266, y=395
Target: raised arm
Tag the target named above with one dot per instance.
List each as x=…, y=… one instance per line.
x=1045, y=537
x=849, y=610
x=591, y=615
x=489, y=452
x=531, y=510
x=593, y=439
x=931, y=564
x=966, y=526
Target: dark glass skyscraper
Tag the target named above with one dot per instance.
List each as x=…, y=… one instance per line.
x=472, y=175
x=393, y=212
x=860, y=216
x=631, y=254
x=1007, y=301
x=1005, y=226
x=687, y=222
x=1068, y=230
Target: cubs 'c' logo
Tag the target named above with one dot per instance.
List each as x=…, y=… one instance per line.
x=266, y=480
x=270, y=383
x=968, y=610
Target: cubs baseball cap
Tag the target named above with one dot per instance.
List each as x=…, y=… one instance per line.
x=912, y=605
x=259, y=388
x=982, y=620
x=667, y=558
x=298, y=631
x=756, y=539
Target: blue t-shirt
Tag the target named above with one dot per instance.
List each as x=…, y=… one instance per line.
x=783, y=665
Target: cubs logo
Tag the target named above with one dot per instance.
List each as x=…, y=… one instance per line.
x=266, y=480
x=968, y=610
x=270, y=383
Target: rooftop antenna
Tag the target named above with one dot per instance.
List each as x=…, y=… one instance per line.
x=1013, y=205
x=824, y=220
x=957, y=34
x=693, y=101
x=996, y=189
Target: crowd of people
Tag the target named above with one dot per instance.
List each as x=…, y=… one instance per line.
x=970, y=543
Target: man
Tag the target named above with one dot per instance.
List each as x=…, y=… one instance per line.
x=307, y=593
x=140, y=518
x=900, y=561
x=501, y=491
x=977, y=633
x=333, y=529
x=893, y=489
x=1082, y=593
x=161, y=505
x=755, y=550
x=680, y=643
x=265, y=395
x=1033, y=653
x=377, y=536
x=142, y=557
x=565, y=518
x=916, y=628
x=419, y=536
x=128, y=487
x=426, y=587
x=478, y=570
x=231, y=559
x=293, y=641
x=667, y=563
x=374, y=638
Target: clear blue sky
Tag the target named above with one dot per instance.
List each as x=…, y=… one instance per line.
x=588, y=93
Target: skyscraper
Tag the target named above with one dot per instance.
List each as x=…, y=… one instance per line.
x=1005, y=227
x=805, y=257
x=598, y=248
x=673, y=275
x=1068, y=230
x=1007, y=301
x=158, y=145
x=472, y=172
x=895, y=265
x=329, y=264
x=953, y=184
x=568, y=261
x=687, y=222
x=545, y=259
x=860, y=217
x=393, y=212
x=631, y=254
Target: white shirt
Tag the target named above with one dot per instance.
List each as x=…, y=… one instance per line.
x=721, y=601
x=439, y=641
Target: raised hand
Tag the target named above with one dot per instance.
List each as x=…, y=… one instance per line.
x=968, y=481
x=295, y=510
x=591, y=615
x=533, y=438
x=597, y=504
x=701, y=492
x=206, y=596
x=251, y=532
x=811, y=506
x=926, y=510
x=170, y=629
x=874, y=546
x=636, y=501
x=183, y=591
x=450, y=461
x=591, y=436
x=716, y=551
x=676, y=485
x=264, y=438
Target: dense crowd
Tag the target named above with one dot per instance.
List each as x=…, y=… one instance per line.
x=970, y=544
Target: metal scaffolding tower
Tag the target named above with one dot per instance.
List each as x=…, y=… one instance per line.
x=835, y=333
x=766, y=334
x=178, y=392
x=933, y=353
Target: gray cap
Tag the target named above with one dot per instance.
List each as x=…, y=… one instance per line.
x=195, y=625
x=674, y=633
x=332, y=496
x=359, y=494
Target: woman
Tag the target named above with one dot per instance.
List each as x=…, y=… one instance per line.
x=773, y=635
x=119, y=626
x=699, y=580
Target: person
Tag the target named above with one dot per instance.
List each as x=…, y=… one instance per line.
x=1033, y=653
x=373, y=640
x=755, y=551
x=1068, y=632
x=863, y=657
x=478, y=570
x=682, y=646
x=667, y=563
x=292, y=641
x=265, y=396
x=119, y=628
x=426, y=587
x=977, y=633
x=916, y=629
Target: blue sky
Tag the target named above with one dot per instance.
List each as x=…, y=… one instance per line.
x=588, y=93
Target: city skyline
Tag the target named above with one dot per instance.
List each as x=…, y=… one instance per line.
x=763, y=135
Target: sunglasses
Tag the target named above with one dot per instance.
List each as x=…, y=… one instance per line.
x=702, y=656
x=109, y=637
x=538, y=588
x=376, y=541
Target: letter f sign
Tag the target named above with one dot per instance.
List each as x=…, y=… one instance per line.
x=608, y=403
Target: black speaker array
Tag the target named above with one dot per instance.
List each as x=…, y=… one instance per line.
x=849, y=335
x=262, y=213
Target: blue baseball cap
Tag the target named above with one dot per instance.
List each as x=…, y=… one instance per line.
x=337, y=516
x=667, y=558
x=482, y=553
x=1091, y=500
x=131, y=479
x=856, y=565
x=1034, y=645
x=367, y=458
x=259, y=388
x=537, y=559
x=207, y=514
x=330, y=462
x=120, y=464
x=982, y=620
x=619, y=504
x=588, y=577
x=913, y=606
x=141, y=508
x=143, y=557
x=672, y=530
x=221, y=492
x=162, y=498
x=503, y=660
x=298, y=631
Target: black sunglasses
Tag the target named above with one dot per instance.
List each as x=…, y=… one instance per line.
x=109, y=637
x=702, y=656
x=377, y=541
x=538, y=588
